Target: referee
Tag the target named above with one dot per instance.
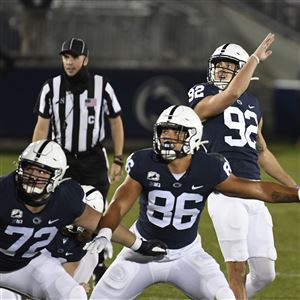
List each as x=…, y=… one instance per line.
x=74, y=106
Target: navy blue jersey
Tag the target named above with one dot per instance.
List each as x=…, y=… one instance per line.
x=23, y=233
x=170, y=209
x=232, y=133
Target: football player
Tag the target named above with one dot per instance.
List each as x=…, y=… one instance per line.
x=172, y=182
x=35, y=204
x=233, y=122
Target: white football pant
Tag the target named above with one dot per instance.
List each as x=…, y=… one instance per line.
x=43, y=278
x=244, y=230
x=190, y=269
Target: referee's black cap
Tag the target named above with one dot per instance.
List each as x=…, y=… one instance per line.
x=75, y=47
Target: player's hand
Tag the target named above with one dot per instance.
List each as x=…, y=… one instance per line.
x=152, y=248
x=263, y=50
x=102, y=242
x=115, y=173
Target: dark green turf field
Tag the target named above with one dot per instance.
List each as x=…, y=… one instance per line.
x=286, y=219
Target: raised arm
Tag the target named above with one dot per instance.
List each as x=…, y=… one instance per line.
x=216, y=104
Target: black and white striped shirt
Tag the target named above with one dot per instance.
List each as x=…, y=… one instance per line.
x=77, y=120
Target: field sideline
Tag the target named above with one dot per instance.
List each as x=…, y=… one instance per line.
x=286, y=219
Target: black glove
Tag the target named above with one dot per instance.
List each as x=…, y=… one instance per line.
x=152, y=248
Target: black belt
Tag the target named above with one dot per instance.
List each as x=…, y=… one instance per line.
x=83, y=154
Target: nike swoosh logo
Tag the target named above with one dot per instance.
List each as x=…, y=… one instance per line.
x=196, y=187
x=251, y=106
x=68, y=253
x=52, y=221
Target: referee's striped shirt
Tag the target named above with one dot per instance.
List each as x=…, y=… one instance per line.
x=77, y=120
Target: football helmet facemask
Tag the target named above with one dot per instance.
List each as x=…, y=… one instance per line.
x=227, y=52
x=40, y=170
x=189, y=129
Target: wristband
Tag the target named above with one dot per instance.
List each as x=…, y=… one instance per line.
x=118, y=160
x=256, y=58
x=136, y=245
x=299, y=194
x=105, y=232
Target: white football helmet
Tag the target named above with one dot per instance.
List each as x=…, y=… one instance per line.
x=227, y=52
x=182, y=119
x=45, y=155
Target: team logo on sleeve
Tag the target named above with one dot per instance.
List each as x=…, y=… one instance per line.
x=154, y=176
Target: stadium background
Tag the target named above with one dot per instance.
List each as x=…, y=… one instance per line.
x=153, y=51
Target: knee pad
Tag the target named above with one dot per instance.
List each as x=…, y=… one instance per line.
x=115, y=283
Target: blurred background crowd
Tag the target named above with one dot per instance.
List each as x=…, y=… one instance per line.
x=152, y=51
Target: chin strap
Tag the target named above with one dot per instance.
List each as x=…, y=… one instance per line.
x=34, y=202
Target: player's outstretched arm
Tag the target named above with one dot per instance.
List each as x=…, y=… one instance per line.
x=260, y=190
x=213, y=105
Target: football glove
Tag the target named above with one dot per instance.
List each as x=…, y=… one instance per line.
x=102, y=242
x=150, y=247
